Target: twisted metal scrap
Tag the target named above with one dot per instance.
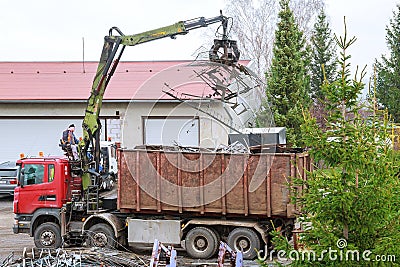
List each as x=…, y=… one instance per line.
x=74, y=258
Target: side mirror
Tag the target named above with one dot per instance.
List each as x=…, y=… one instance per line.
x=21, y=177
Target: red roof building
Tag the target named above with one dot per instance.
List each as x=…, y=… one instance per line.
x=141, y=80
x=73, y=80
x=39, y=99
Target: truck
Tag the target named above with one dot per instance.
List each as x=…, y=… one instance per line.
x=190, y=200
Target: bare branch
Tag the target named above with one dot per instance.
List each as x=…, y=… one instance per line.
x=255, y=23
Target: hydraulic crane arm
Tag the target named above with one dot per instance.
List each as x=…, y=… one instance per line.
x=182, y=27
x=107, y=66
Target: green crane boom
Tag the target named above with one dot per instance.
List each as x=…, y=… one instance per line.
x=107, y=65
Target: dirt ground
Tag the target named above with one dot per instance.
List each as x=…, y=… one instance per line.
x=10, y=242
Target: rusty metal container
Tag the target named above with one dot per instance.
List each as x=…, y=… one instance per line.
x=209, y=184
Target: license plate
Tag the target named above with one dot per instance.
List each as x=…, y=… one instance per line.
x=3, y=182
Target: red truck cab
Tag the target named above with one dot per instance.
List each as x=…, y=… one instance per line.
x=45, y=185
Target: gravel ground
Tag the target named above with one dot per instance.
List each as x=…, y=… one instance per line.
x=10, y=242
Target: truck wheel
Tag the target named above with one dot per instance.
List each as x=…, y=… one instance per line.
x=246, y=240
x=217, y=235
x=47, y=235
x=101, y=235
x=201, y=243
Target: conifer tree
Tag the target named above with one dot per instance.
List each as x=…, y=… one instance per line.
x=351, y=206
x=323, y=48
x=388, y=70
x=287, y=81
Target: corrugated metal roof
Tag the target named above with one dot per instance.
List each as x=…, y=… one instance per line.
x=21, y=81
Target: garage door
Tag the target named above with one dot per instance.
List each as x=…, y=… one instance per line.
x=171, y=131
x=29, y=136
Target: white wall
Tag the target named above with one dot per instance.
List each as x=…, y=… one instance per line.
x=129, y=128
x=212, y=133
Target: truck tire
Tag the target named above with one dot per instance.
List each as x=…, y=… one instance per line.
x=217, y=235
x=246, y=240
x=101, y=235
x=47, y=235
x=201, y=243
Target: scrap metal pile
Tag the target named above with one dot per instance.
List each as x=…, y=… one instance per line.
x=236, y=86
x=74, y=258
x=161, y=256
x=234, y=148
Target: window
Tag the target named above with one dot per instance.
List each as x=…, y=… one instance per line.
x=33, y=174
x=171, y=131
x=51, y=172
x=8, y=173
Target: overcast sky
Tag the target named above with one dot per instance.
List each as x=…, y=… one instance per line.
x=51, y=30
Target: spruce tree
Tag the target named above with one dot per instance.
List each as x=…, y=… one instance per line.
x=388, y=70
x=288, y=81
x=351, y=206
x=323, y=59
